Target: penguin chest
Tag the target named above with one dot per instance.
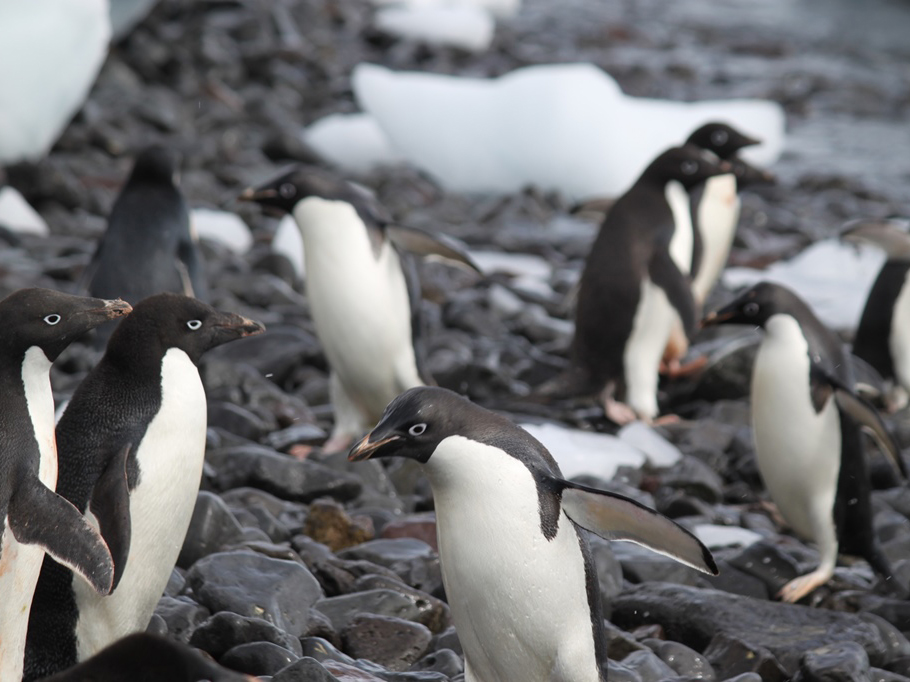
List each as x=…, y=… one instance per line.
x=899, y=338
x=358, y=299
x=40, y=403
x=170, y=458
x=717, y=215
x=797, y=448
x=519, y=600
x=683, y=239
x=20, y=566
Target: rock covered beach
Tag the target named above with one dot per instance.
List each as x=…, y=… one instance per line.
x=316, y=569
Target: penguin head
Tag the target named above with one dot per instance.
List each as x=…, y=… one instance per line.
x=168, y=320
x=721, y=139
x=414, y=423
x=155, y=165
x=689, y=165
x=747, y=174
x=51, y=320
x=889, y=234
x=756, y=306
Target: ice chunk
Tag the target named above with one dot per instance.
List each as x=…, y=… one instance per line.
x=566, y=127
x=465, y=26
x=659, y=451
x=716, y=537
x=515, y=264
x=833, y=278
x=50, y=53
x=585, y=452
x=289, y=242
x=17, y=215
x=353, y=142
x=223, y=227
x=499, y=8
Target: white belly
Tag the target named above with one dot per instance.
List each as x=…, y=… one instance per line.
x=899, y=339
x=718, y=214
x=170, y=463
x=19, y=569
x=518, y=600
x=651, y=329
x=797, y=449
x=683, y=238
x=359, y=304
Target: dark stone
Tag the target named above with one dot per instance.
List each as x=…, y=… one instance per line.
x=418, y=526
x=437, y=616
x=328, y=523
x=391, y=642
x=765, y=561
x=305, y=669
x=257, y=658
x=609, y=570
x=447, y=639
x=694, y=616
x=619, y=672
x=731, y=656
x=237, y=420
x=649, y=666
x=443, y=661
x=323, y=651
x=212, y=528
x=415, y=562
x=731, y=579
x=157, y=625
x=840, y=662
x=249, y=584
x=683, y=660
x=225, y=630
x=640, y=565
x=176, y=583
x=619, y=642
x=695, y=478
x=384, y=602
x=182, y=615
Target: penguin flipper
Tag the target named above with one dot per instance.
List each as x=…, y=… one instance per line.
x=110, y=504
x=423, y=243
x=664, y=272
x=616, y=517
x=864, y=414
x=39, y=516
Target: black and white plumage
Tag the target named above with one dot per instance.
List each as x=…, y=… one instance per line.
x=806, y=424
x=363, y=294
x=38, y=324
x=148, y=247
x=131, y=442
x=635, y=286
x=515, y=561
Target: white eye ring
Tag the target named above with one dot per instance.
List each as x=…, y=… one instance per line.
x=751, y=308
x=417, y=429
x=689, y=167
x=194, y=324
x=52, y=319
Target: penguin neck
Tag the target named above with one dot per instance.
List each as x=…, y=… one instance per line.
x=681, y=243
x=781, y=328
x=39, y=400
x=329, y=227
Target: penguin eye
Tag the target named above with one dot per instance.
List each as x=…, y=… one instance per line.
x=287, y=190
x=52, y=319
x=719, y=137
x=689, y=167
x=417, y=429
x=194, y=324
x=751, y=308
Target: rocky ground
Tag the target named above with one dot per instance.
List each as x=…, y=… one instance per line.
x=316, y=569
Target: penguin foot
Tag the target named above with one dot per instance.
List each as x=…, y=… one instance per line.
x=618, y=412
x=666, y=419
x=799, y=587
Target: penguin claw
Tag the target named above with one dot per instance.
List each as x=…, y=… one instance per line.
x=799, y=587
x=618, y=412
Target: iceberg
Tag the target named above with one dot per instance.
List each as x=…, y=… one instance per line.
x=223, y=227
x=464, y=26
x=17, y=215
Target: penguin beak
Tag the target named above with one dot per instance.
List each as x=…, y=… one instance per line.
x=366, y=449
x=254, y=194
x=717, y=317
x=242, y=326
x=111, y=309
x=749, y=141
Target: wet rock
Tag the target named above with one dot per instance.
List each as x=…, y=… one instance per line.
x=766, y=562
x=248, y=584
x=695, y=478
x=328, y=523
x=620, y=672
x=683, y=660
x=641, y=565
x=415, y=562
x=305, y=669
x=212, y=527
x=175, y=583
x=257, y=658
x=609, y=570
x=731, y=656
x=182, y=615
x=391, y=642
x=648, y=666
x=237, y=420
x=436, y=616
x=417, y=526
x=157, y=625
x=443, y=661
x=619, y=642
x=384, y=602
x=447, y=639
x=226, y=630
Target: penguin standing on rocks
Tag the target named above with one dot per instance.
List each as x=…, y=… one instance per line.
x=38, y=325
x=883, y=335
x=363, y=295
x=148, y=247
x=142, y=411
x=515, y=563
x=806, y=424
x=635, y=285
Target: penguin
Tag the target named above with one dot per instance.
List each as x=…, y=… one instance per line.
x=143, y=657
x=715, y=204
x=635, y=285
x=363, y=292
x=141, y=410
x=883, y=336
x=516, y=566
x=806, y=424
x=148, y=246
x=38, y=324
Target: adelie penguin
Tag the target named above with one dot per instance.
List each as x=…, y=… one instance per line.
x=635, y=286
x=806, y=424
x=148, y=246
x=363, y=294
x=883, y=336
x=516, y=566
x=131, y=443
x=38, y=324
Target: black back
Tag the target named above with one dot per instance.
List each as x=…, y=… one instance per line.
x=874, y=331
x=633, y=243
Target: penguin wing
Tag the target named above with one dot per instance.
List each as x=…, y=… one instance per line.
x=423, y=243
x=39, y=516
x=862, y=413
x=110, y=504
x=664, y=272
x=615, y=517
